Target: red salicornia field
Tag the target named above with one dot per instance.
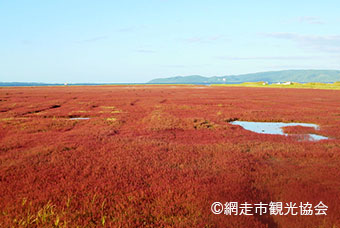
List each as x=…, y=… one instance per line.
x=160, y=156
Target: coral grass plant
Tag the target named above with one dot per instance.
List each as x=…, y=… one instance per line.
x=159, y=156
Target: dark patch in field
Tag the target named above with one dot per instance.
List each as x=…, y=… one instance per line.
x=74, y=116
x=134, y=102
x=231, y=119
x=55, y=106
x=114, y=132
x=41, y=110
x=35, y=111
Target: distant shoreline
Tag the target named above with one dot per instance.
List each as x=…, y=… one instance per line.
x=291, y=85
x=28, y=84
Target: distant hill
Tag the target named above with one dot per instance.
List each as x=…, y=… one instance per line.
x=270, y=76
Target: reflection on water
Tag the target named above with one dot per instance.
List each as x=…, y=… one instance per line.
x=276, y=128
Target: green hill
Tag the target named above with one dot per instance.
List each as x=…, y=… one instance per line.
x=302, y=76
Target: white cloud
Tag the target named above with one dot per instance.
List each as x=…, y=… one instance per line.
x=329, y=44
x=310, y=20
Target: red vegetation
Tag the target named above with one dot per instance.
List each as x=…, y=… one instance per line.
x=155, y=156
x=299, y=130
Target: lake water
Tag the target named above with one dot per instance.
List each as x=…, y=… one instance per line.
x=275, y=128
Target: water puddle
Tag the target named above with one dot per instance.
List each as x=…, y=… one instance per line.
x=275, y=128
x=80, y=118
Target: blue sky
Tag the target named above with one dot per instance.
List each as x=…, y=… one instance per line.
x=138, y=40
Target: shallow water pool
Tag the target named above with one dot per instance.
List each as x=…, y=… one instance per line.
x=80, y=118
x=275, y=128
